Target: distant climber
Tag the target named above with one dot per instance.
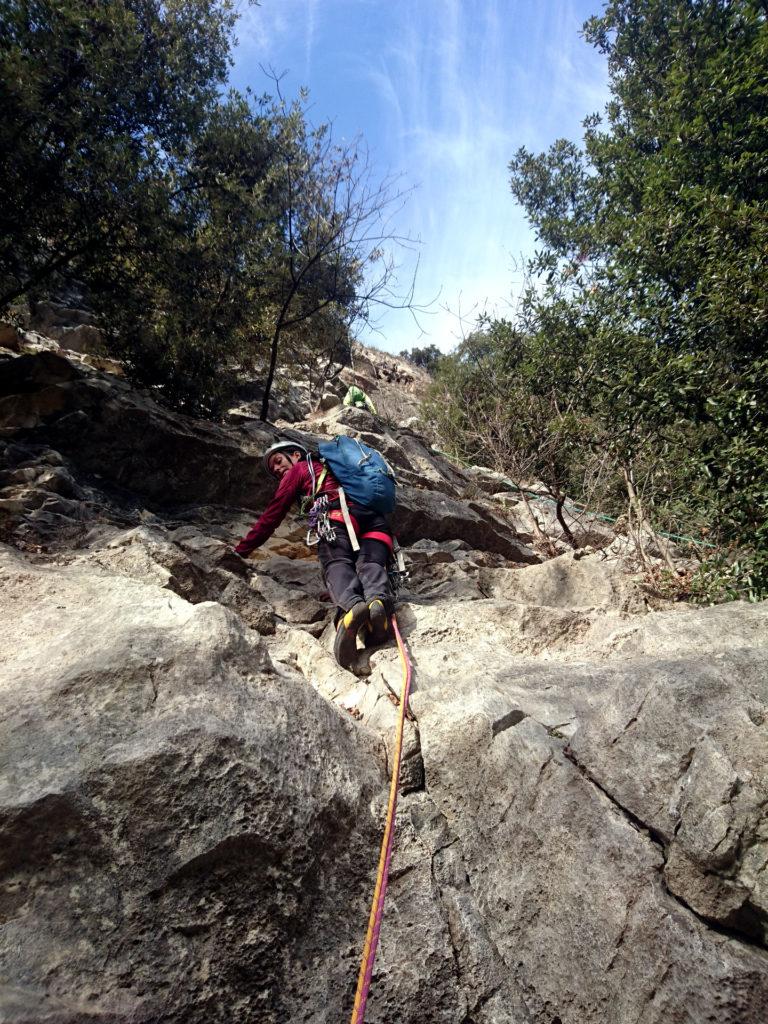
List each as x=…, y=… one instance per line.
x=358, y=582
x=356, y=397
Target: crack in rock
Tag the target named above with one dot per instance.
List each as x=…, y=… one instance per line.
x=466, y=929
x=658, y=840
x=509, y=721
x=633, y=719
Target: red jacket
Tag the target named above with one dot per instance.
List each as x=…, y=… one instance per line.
x=296, y=483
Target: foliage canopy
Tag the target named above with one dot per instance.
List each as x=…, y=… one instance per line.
x=213, y=231
x=427, y=357
x=642, y=347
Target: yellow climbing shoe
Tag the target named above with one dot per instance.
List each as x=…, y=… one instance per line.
x=345, y=644
x=378, y=623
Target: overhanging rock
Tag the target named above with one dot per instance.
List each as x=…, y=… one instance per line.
x=430, y=514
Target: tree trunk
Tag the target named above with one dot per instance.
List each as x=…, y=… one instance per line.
x=544, y=540
x=270, y=375
x=40, y=275
x=636, y=517
x=566, y=529
x=635, y=503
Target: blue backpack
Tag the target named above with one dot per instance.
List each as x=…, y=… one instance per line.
x=362, y=472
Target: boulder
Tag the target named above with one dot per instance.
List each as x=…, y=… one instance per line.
x=567, y=581
x=74, y=329
x=489, y=480
x=434, y=469
x=294, y=606
x=328, y=401
x=9, y=336
x=84, y=338
x=169, y=810
x=32, y=373
x=41, y=502
x=430, y=514
x=197, y=567
x=47, y=317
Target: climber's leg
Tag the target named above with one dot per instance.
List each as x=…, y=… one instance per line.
x=339, y=571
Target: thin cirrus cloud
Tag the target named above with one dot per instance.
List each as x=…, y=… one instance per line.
x=444, y=92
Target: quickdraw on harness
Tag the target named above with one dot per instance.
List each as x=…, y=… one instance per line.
x=320, y=524
x=396, y=570
x=321, y=516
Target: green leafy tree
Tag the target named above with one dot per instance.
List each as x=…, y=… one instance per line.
x=655, y=261
x=501, y=401
x=216, y=234
x=428, y=358
x=333, y=265
x=99, y=101
x=182, y=302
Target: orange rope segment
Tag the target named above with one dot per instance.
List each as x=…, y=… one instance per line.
x=387, y=842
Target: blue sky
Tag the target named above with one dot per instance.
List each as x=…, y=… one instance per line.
x=444, y=92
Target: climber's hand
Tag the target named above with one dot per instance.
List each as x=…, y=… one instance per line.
x=234, y=562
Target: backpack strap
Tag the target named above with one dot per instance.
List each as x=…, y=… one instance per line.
x=348, y=520
x=364, y=456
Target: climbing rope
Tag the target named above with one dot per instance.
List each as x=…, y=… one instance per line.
x=385, y=855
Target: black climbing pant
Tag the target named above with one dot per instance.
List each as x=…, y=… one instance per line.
x=356, y=576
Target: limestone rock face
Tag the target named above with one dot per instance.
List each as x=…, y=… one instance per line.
x=395, y=385
x=126, y=438
x=438, y=516
x=609, y=854
x=685, y=753
x=170, y=813
x=192, y=792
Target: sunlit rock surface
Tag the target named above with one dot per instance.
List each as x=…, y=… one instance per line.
x=192, y=791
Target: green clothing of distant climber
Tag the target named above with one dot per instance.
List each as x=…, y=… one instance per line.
x=357, y=397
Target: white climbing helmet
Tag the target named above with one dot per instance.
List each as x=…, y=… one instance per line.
x=287, y=448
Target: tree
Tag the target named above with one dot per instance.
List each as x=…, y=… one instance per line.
x=182, y=304
x=215, y=233
x=655, y=260
x=316, y=350
x=334, y=257
x=427, y=358
x=99, y=101
x=499, y=401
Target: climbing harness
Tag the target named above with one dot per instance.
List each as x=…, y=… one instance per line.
x=321, y=519
x=320, y=516
x=385, y=855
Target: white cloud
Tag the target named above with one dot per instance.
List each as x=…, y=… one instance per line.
x=264, y=31
x=447, y=91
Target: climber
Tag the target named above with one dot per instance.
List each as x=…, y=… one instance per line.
x=358, y=398
x=358, y=582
